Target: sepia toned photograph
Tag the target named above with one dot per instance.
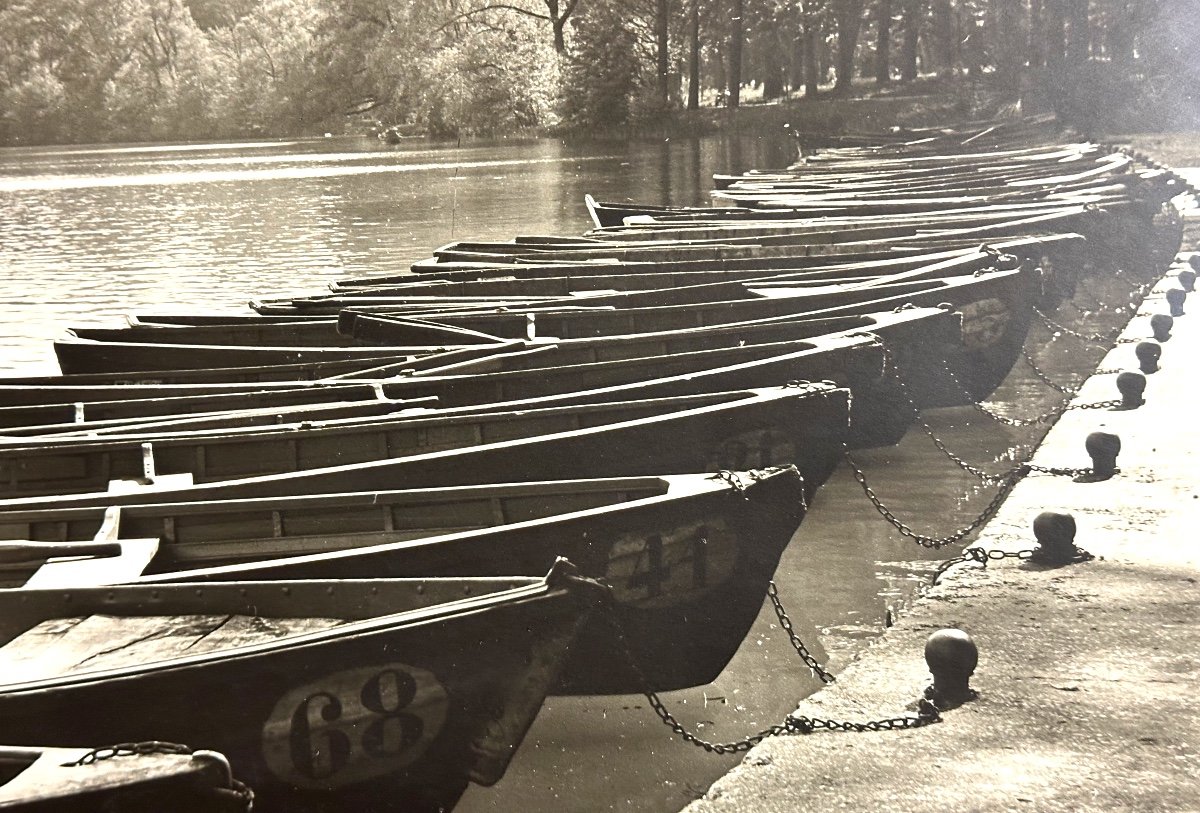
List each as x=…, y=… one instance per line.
x=565, y=406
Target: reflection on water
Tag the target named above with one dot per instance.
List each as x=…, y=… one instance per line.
x=87, y=235
x=90, y=234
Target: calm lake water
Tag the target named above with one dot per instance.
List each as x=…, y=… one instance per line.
x=89, y=234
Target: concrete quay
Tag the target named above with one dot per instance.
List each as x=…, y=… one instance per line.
x=1088, y=673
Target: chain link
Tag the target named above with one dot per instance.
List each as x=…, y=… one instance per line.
x=129, y=749
x=792, y=724
x=1006, y=484
x=238, y=793
x=1044, y=378
x=786, y=623
x=981, y=557
x=733, y=480
x=1095, y=339
x=982, y=408
x=1098, y=405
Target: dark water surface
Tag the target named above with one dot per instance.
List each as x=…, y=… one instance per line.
x=89, y=234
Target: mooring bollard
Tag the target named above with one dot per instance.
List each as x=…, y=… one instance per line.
x=1103, y=448
x=1187, y=279
x=1160, y=325
x=952, y=657
x=1055, y=534
x=1132, y=387
x=1194, y=262
x=1175, y=298
x=1148, y=354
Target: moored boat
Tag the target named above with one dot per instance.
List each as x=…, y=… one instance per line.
x=687, y=556
x=802, y=424
x=325, y=695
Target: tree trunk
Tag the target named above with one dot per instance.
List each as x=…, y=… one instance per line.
x=912, y=11
x=849, y=19
x=737, y=35
x=883, y=42
x=944, y=40
x=558, y=22
x=662, y=55
x=1078, y=43
x=774, y=67
x=693, y=102
x=1056, y=36
x=1007, y=57
x=1037, y=53
x=811, y=38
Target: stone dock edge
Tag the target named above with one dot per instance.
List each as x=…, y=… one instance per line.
x=1087, y=676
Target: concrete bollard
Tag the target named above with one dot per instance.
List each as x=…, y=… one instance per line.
x=1187, y=279
x=1132, y=387
x=952, y=657
x=1055, y=534
x=1175, y=298
x=1148, y=354
x=1160, y=326
x=1194, y=262
x=1103, y=448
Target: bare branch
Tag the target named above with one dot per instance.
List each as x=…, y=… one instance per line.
x=466, y=15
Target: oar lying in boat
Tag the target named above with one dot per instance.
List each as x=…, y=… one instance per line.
x=688, y=557
x=804, y=425
x=21, y=557
x=343, y=694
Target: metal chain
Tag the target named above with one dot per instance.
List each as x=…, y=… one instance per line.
x=239, y=793
x=981, y=557
x=792, y=724
x=1045, y=379
x=784, y=621
x=733, y=480
x=981, y=474
x=129, y=749
x=1006, y=484
x=1098, y=405
x=919, y=419
x=1103, y=342
x=979, y=406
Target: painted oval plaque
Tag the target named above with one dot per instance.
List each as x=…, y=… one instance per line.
x=353, y=725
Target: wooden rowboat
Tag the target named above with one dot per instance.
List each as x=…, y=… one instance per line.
x=372, y=694
x=804, y=424
x=46, y=466
x=687, y=557
x=133, y=776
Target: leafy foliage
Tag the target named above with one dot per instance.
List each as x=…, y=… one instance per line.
x=94, y=70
